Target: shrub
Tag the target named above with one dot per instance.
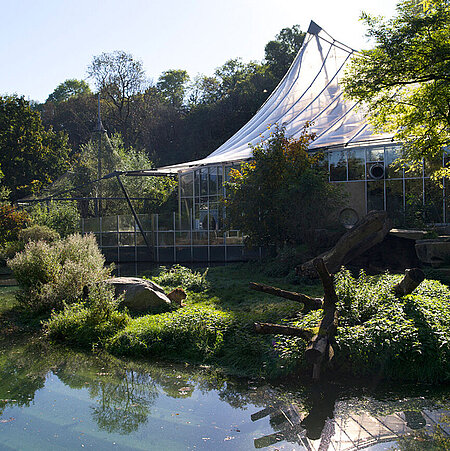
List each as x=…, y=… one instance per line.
x=11, y=222
x=91, y=322
x=50, y=274
x=38, y=233
x=62, y=217
x=194, y=331
x=9, y=250
x=179, y=275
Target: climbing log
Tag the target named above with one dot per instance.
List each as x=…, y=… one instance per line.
x=413, y=278
x=267, y=328
x=308, y=302
x=370, y=230
x=320, y=350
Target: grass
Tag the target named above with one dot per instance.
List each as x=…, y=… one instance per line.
x=378, y=336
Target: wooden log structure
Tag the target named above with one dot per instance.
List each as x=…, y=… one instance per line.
x=413, y=278
x=370, y=230
x=308, y=302
x=319, y=349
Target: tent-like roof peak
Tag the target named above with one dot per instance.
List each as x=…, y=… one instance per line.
x=309, y=92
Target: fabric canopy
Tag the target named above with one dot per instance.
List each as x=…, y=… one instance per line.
x=309, y=92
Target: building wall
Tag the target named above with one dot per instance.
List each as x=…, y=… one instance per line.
x=371, y=176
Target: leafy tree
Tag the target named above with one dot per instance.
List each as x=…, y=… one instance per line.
x=76, y=116
x=172, y=85
x=31, y=156
x=120, y=78
x=280, y=52
x=405, y=79
x=115, y=156
x=281, y=196
x=69, y=88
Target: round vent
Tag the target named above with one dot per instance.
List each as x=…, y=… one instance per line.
x=376, y=171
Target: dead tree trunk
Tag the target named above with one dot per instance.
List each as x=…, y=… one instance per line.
x=320, y=349
x=308, y=302
x=370, y=230
x=413, y=278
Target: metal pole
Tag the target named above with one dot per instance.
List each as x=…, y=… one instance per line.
x=134, y=212
x=99, y=167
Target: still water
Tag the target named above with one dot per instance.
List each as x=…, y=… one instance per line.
x=54, y=398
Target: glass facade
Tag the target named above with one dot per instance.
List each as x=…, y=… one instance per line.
x=372, y=176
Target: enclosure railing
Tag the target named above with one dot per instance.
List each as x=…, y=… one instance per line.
x=172, y=238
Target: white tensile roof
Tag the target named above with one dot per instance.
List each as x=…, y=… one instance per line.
x=309, y=92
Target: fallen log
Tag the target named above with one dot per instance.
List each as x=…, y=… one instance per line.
x=308, y=302
x=320, y=349
x=267, y=328
x=413, y=278
x=370, y=230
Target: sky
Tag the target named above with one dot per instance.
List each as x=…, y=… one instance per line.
x=44, y=42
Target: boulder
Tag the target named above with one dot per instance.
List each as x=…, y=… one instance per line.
x=139, y=294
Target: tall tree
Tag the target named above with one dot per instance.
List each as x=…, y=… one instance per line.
x=31, y=156
x=280, y=52
x=119, y=77
x=172, y=84
x=281, y=196
x=405, y=79
x=68, y=89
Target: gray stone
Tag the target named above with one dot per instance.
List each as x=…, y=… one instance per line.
x=433, y=252
x=140, y=294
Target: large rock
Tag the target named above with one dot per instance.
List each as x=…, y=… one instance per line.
x=434, y=252
x=140, y=294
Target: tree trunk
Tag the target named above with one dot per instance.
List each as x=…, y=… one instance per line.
x=370, y=230
x=308, y=302
x=413, y=278
x=320, y=349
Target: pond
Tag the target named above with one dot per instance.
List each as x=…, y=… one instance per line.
x=52, y=397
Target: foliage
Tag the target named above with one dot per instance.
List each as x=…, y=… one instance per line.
x=38, y=233
x=50, y=274
x=380, y=335
x=172, y=85
x=178, y=275
x=195, y=331
x=119, y=77
x=281, y=196
x=63, y=217
x=31, y=156
x=88, y=323
x=69, y=88
x=9, y=249
x=115, y=156
x=12, y=221
x=404, y=79
x=280, y=53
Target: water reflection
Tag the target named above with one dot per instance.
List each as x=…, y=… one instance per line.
x=103, y=400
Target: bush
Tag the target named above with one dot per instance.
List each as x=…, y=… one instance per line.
x=50, y=274
x=180, y=276
x=9, y=250
x=196, y=332
x=11, y=222
x=88, y=323
x=38, y=233
x=62, y=217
